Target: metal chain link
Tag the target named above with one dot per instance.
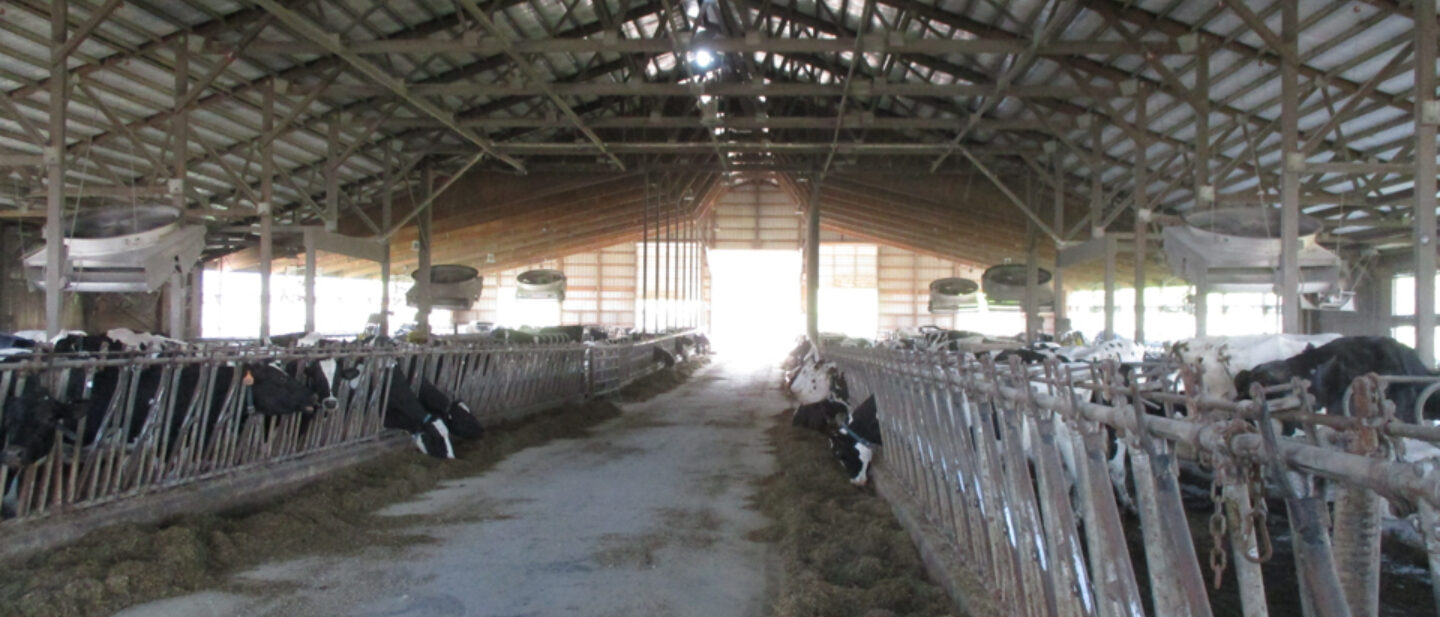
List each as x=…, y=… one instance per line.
x=1257, y=520
x=1219, y=560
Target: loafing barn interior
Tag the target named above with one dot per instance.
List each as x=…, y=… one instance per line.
x=719, y=307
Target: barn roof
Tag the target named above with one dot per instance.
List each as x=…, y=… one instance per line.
x=870, y=94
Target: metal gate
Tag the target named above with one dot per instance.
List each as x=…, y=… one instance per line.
x=1012, y=463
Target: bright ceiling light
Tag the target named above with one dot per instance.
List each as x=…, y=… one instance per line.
x=704, y=58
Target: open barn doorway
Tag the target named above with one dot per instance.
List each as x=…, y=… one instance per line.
x=756, y=312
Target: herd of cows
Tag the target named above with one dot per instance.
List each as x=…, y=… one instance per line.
x=115, y=403
x=83, y=391
x=1227, y=368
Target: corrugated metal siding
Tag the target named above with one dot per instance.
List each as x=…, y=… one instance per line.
x=757, y=216
x=904, y=283
x=600, y=287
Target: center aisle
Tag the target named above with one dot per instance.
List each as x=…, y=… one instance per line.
x=648, y=515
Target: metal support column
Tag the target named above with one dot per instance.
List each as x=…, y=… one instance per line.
x=1427, y=115
x=387, y=188
x=175, y=294
x=55, y=168
x=267, y=215
x=812, y=264
x=1292, y=161
x=1142, y=212
x=1204, y=193
x=309, y=238
x=427, y=219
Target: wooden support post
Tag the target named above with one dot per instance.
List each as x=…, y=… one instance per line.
x=1425, y=172
x=1142, y=212
x=426, y=220
x=1111, y=247
x=1202, y=306
x=175, y=295
x=655, y=302
x=266, y=207
x=671, y=202
x=332, y=177
x=55, y=168
x=309, y=238
x=387, y=213
x=644, y=292
x=196, y=304
x=1204, y=193
x=1097, y=187
x=1062, y=318
x=1291, y=162
x=1032, y=283
x=812, y=264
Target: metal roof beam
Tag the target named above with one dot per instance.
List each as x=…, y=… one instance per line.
x=871, y=43
x=852, y=120
x=510, y=49
x=865, y=87
x=309, y=30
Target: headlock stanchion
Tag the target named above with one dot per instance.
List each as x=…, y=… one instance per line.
x=1034, y=473
x=211, y=428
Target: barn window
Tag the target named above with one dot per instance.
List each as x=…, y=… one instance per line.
x=342, y=305
x=1402, y=304
x=849, y=293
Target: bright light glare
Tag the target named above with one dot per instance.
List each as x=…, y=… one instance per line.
x=703, y=58
x=853, y=312
x=756, y=307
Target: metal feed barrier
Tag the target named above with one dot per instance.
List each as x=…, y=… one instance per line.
x=213, y=435
x=614, y=366
x=1009, y=463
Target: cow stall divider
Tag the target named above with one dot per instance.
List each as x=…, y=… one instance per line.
x=208, y=428
x=1010, y=463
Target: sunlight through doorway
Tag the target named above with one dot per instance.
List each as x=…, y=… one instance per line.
x=756, y=304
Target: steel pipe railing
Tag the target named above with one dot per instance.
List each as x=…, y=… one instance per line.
x=1033, y=472
x=181, y=416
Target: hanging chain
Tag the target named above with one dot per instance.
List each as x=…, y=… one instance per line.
x=1219, y=560
x=1258, y=519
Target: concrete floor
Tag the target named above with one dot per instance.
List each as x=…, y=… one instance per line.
x=647, y=516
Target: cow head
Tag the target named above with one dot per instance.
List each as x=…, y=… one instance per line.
x=853, y=456
x=1267, y=374
x=434, y=439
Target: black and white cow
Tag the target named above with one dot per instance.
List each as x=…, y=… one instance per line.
x=1332, y=367
x=1221, y=358
x=854, y=444
x=404, y=411
x=821, y=416
x=456, y=414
